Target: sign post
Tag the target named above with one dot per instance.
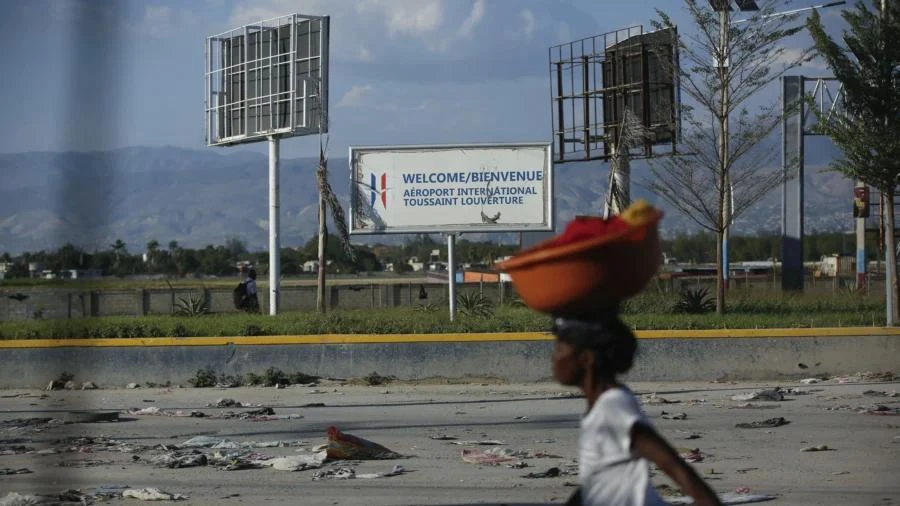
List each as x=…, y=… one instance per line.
x=451, y=273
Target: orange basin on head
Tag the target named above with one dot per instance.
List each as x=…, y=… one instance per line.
x=588, y=274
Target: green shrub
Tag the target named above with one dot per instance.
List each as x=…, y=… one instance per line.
x=474, y=304
x=192, y=306
x=204, y=378
x=695, y=302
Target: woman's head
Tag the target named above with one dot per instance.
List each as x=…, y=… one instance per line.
x=602, y=348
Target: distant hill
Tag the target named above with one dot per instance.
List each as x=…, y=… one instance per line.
x=200, y=197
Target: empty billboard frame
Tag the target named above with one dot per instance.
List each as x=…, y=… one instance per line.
x=594, y=80
x=267, y=79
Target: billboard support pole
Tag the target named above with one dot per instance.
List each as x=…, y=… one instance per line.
x=274, y=242
x=451, y=273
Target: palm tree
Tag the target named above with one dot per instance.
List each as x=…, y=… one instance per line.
x=152, y=250
x=118, y=248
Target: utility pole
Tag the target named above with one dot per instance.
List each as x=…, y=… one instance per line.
x=890, y=264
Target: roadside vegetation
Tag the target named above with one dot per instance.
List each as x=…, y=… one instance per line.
x=645, y=312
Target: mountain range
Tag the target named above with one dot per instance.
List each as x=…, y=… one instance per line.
x=205, y=196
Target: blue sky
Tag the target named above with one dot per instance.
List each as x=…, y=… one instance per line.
x=98, y=74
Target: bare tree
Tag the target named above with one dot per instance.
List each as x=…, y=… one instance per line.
x=722, y=171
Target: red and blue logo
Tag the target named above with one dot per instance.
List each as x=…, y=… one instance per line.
x=376, y=190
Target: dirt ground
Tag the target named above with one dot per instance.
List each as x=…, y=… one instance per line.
x=48, y=438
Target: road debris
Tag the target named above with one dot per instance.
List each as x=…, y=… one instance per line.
x=654, y=399
x=670, y=416
x=298, y=462
x=693, y=456
x=553, y=472
x=343, y=446
x=775, y=394
x=5, y=471
x=771, y=422
x=484, y=458
x=810, y=381
x=442, y=437
x=152, y=494
x=484, y=442
x=816, y=448
x=178, y=460
x=726, y=498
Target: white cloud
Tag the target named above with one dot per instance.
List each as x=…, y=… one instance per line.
x=412, y=18
x=475, y=17
x=354, y=96
x=527, y=18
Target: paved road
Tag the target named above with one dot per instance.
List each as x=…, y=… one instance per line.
x=861, y=466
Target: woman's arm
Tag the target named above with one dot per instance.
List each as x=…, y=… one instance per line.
x=651, y=446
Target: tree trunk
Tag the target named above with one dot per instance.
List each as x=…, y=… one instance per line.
x=890, y=249
x=720, y=274
x=323, y=238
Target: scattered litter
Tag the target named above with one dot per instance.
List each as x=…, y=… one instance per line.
x=177, y=460
x=484, y=442
x=654, y=399
x=443, y=437
x=866, y=376
x=692, y=456
x=340, y=473
x=132, y=386
x=839, y=473
x=111, y=491
x=521, y=417
x=88, y=385
x=746, y=470
x=155, y=411
x=726, y=498
x=816, y=448
x=226, y=403
x=553, y=472
x=349, y=447
x=545, y=441
x=775, y=394
x=692, y=436
x=484, y=458
x=771, y=422
x=5, y=471
x=298, y=462
x=90, y=416
x=152, y=494
x=201, y=442
x=15, y=450
x=670, y=416
x=879, y=409
x=810, y=381
x=83, y=463
x=518, y=465
x=396, y=471
x=313, y=405
x=750, y=405
x=877, y=393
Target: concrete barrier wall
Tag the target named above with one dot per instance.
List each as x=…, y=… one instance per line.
x=70, y=303
x=663, y=356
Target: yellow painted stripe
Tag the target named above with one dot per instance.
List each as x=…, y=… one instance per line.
x=434, y=338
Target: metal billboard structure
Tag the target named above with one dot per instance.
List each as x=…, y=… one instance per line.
x=267, y=81
x=596, y=81
x=268, y=78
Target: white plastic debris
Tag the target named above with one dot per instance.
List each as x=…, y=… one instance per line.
x=202, y=442
x=810, y=381
x=152, y=494
x=16, y=499
x=300, y=462
x=760, y=395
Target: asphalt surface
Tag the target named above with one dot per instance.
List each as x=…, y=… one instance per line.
x=855, y=417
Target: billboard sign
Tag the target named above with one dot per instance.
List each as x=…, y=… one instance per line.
x=451, y=188
x=266, y=79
